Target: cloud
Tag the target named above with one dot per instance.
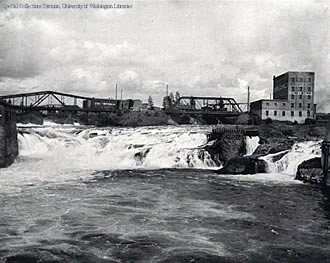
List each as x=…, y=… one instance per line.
x=199, y=48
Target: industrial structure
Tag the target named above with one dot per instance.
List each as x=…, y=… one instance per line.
x=293, y=98
x=212, y=109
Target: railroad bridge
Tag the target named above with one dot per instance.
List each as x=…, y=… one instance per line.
x=89, y=110
x=212, y=109
x=58, y=101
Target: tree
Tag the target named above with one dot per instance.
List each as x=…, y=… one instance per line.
x=172, y=97
x=177, y=96
x=167, y=102
x=150, y=103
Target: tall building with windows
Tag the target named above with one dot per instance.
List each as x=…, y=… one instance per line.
x=293, y=98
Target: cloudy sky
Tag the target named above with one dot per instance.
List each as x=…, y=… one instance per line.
x=199, y=47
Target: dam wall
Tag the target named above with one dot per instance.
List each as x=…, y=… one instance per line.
x=8, y=135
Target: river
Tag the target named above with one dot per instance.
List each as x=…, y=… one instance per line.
x=150, y=194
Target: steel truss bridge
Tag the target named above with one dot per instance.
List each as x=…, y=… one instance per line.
x=206, y=105
x=52, y=101
x=212, y=109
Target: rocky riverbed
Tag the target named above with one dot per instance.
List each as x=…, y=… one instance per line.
x=275, y=138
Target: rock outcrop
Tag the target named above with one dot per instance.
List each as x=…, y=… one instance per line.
x=244, y=165
x=273, y=145
x=229, y=146
x=310, y=171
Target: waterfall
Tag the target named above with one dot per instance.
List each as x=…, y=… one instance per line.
x=252, y=144
x=116, y=148
x=288, y=161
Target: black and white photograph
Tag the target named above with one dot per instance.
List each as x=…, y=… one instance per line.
x=164, y=131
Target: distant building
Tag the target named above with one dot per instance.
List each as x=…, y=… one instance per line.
x=130, y=104
x=293, y=98
x=112, y=104
x=98, y=104
x=144, y=106
x=323, y=118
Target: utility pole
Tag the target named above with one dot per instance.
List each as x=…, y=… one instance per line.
x=248, y=99
x=121, y=94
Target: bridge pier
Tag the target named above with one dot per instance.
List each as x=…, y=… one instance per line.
x=326, y=157
x=8, y=135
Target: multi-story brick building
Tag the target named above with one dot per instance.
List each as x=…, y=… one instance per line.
x=293, y=98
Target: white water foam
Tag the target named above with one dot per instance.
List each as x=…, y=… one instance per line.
x=283, y=171
x=60, y=153
x=252, y=144
x=289, y=163
x=117, y=148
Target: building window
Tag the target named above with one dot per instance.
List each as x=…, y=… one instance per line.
x=292, y=105
x=267, y=103
x=300, y=89
x=292, y=97
x=300, y=114
x=308, y=114
x=308, y=105
x=292, y=88
x=275, y=103
x=301, y=79
x=267, y=113
x=284, y=104
x=292, y=113
x=293, y=79
x=300, y=97
x=309, y=88
x=309, y=97
x=300, y=105
x=275, y=113
x=283, y=113
x=309, y=79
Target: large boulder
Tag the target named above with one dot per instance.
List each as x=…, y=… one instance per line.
x=244, y=165
x=273, y=145
x=228, y=146
x=310, y=171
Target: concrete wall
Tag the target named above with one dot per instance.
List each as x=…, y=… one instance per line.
x=8, y=137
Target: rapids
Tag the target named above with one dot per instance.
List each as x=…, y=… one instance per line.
x=150, y=194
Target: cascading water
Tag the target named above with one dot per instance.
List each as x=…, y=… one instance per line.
x=117, y=148
x=75, y=195
x=291, y=159
x=252, y=144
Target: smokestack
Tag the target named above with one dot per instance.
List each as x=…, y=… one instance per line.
x=116, y=90
x=248, y=99
x=166, y=89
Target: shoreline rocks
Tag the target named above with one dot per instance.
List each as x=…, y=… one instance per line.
x=244, y=165
x=227, y=147
x=310, y=171
x=275, y=138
